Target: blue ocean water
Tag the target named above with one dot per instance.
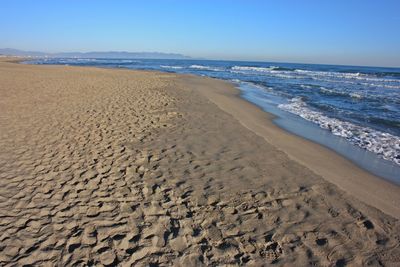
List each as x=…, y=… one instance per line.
x=353, y=110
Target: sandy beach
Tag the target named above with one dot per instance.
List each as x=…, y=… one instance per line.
x=138, y=168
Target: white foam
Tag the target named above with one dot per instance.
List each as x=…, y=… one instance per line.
x=258, y=69
x=352, y=76
x=326, y=90
x=85, y=59
x=202, y=67
x=341, y=93
x=329, y=76
x=381, y=85
x=171, y=67
x=355, y=95
x=384, y=144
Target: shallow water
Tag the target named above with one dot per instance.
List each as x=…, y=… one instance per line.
x=353, y=110
x=306, y=129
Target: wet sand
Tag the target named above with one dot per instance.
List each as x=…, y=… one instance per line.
x=365, y=186
x=120, y=167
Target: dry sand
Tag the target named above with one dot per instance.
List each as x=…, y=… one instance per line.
x=118, y=167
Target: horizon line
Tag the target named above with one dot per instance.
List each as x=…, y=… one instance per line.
x=188, y=57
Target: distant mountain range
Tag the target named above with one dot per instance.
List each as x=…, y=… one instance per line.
x=100, y=54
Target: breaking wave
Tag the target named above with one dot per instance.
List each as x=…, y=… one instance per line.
x=171, y=67
x=383, y=144
x=202, y=67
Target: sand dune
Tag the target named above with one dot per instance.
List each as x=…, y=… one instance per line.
x=117, y=167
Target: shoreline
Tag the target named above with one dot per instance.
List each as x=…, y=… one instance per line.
x=371, y=189
x=106, y=167
x=363, y=158
x=365, y=186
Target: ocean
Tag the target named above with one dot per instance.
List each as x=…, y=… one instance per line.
x=352, y=110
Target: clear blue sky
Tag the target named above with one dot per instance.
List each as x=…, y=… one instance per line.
x=360, y=32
